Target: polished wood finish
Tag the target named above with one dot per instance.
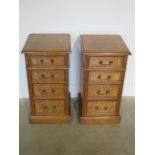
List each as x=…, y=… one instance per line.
x=49, y=90
x=48, y=60
x=99, y=108
x=104, y=44
x=48, y=107
x=104, y=65
x=104, y=76
x=47, y=43
x=48, y=76
x=103, y=91
x=100, y=120
x=47, y=64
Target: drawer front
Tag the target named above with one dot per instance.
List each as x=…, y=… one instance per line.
x=49, y=90
x=49, y=106
x=106, y=62
x=48, y=60
x=48, y=76
x=99, y=108
x=103, y=91
x=104, y=76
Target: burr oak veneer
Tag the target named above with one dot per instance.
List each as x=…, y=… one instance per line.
x=47, y=65
x=104, y=65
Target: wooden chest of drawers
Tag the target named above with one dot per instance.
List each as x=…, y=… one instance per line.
x=47, y=65
x=104, y=65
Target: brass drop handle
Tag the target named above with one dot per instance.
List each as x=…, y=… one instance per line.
x=53, y=108
x=45, y=108
x=43, y=76
x=41, y=60
x=103, y=92
x=108, y=77
x=97, y=108
x=101, y=108
x=52, y=60
x=100, y=77
x=52, y=76
x=46, y=77
x=101, y=62
x=44, y=92
x=104, y=108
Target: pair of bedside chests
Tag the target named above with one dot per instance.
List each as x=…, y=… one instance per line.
x=47, y=64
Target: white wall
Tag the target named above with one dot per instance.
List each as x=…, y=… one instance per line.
x=78, y=17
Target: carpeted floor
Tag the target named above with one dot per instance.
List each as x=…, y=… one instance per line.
x=76, y=139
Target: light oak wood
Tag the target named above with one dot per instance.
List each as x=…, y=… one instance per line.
x=47, y=65
x=104, y=44
x=49, y=106
x=48, y=76
x=50, y=119
x=108, y=62
x=47, y=43
x=103, y=91
x=100, y=120
x=104, y=66
x=46, y=90
x=47, y=60
x=99, y=108
x=104, y=76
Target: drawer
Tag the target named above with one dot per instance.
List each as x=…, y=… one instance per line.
x=104, y=76
x=103, y=91
x=106, y=62
x=49, y=106
x=99, y=108
x=47, y=60
x=49, y=90
x=48, y=76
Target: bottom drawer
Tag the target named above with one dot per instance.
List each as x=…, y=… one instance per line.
x=99, y=108
x=49, y=106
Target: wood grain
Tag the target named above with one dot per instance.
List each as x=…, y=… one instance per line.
x=104, y=66
x=47, y=65
x=47, y=43
x=103, y=44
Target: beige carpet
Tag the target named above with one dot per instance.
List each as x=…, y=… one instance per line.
x=76, y=139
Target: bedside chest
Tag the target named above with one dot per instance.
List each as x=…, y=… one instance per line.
x=104, y=65
x=47, y=65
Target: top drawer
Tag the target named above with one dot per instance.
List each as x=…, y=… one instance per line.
x=106, y=62
x=47, y=61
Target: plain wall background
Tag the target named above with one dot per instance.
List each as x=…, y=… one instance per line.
x=78, y=17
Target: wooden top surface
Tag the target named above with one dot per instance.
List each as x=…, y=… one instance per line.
x=103, y=44
x=47, y=43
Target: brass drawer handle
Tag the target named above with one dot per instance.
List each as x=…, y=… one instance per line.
x=101, y=62
x=41, y=60
x=97, y=108
x=100, y=77
x=53, y=108
x=108, y=77
x=52, y=60
x=101, y=108
x=46, y=77
x=103, y=92
x=104, y=108
x=44, y=92
x=45, y=109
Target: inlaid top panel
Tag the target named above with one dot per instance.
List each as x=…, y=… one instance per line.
x=103, y=44
x=48, y=43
